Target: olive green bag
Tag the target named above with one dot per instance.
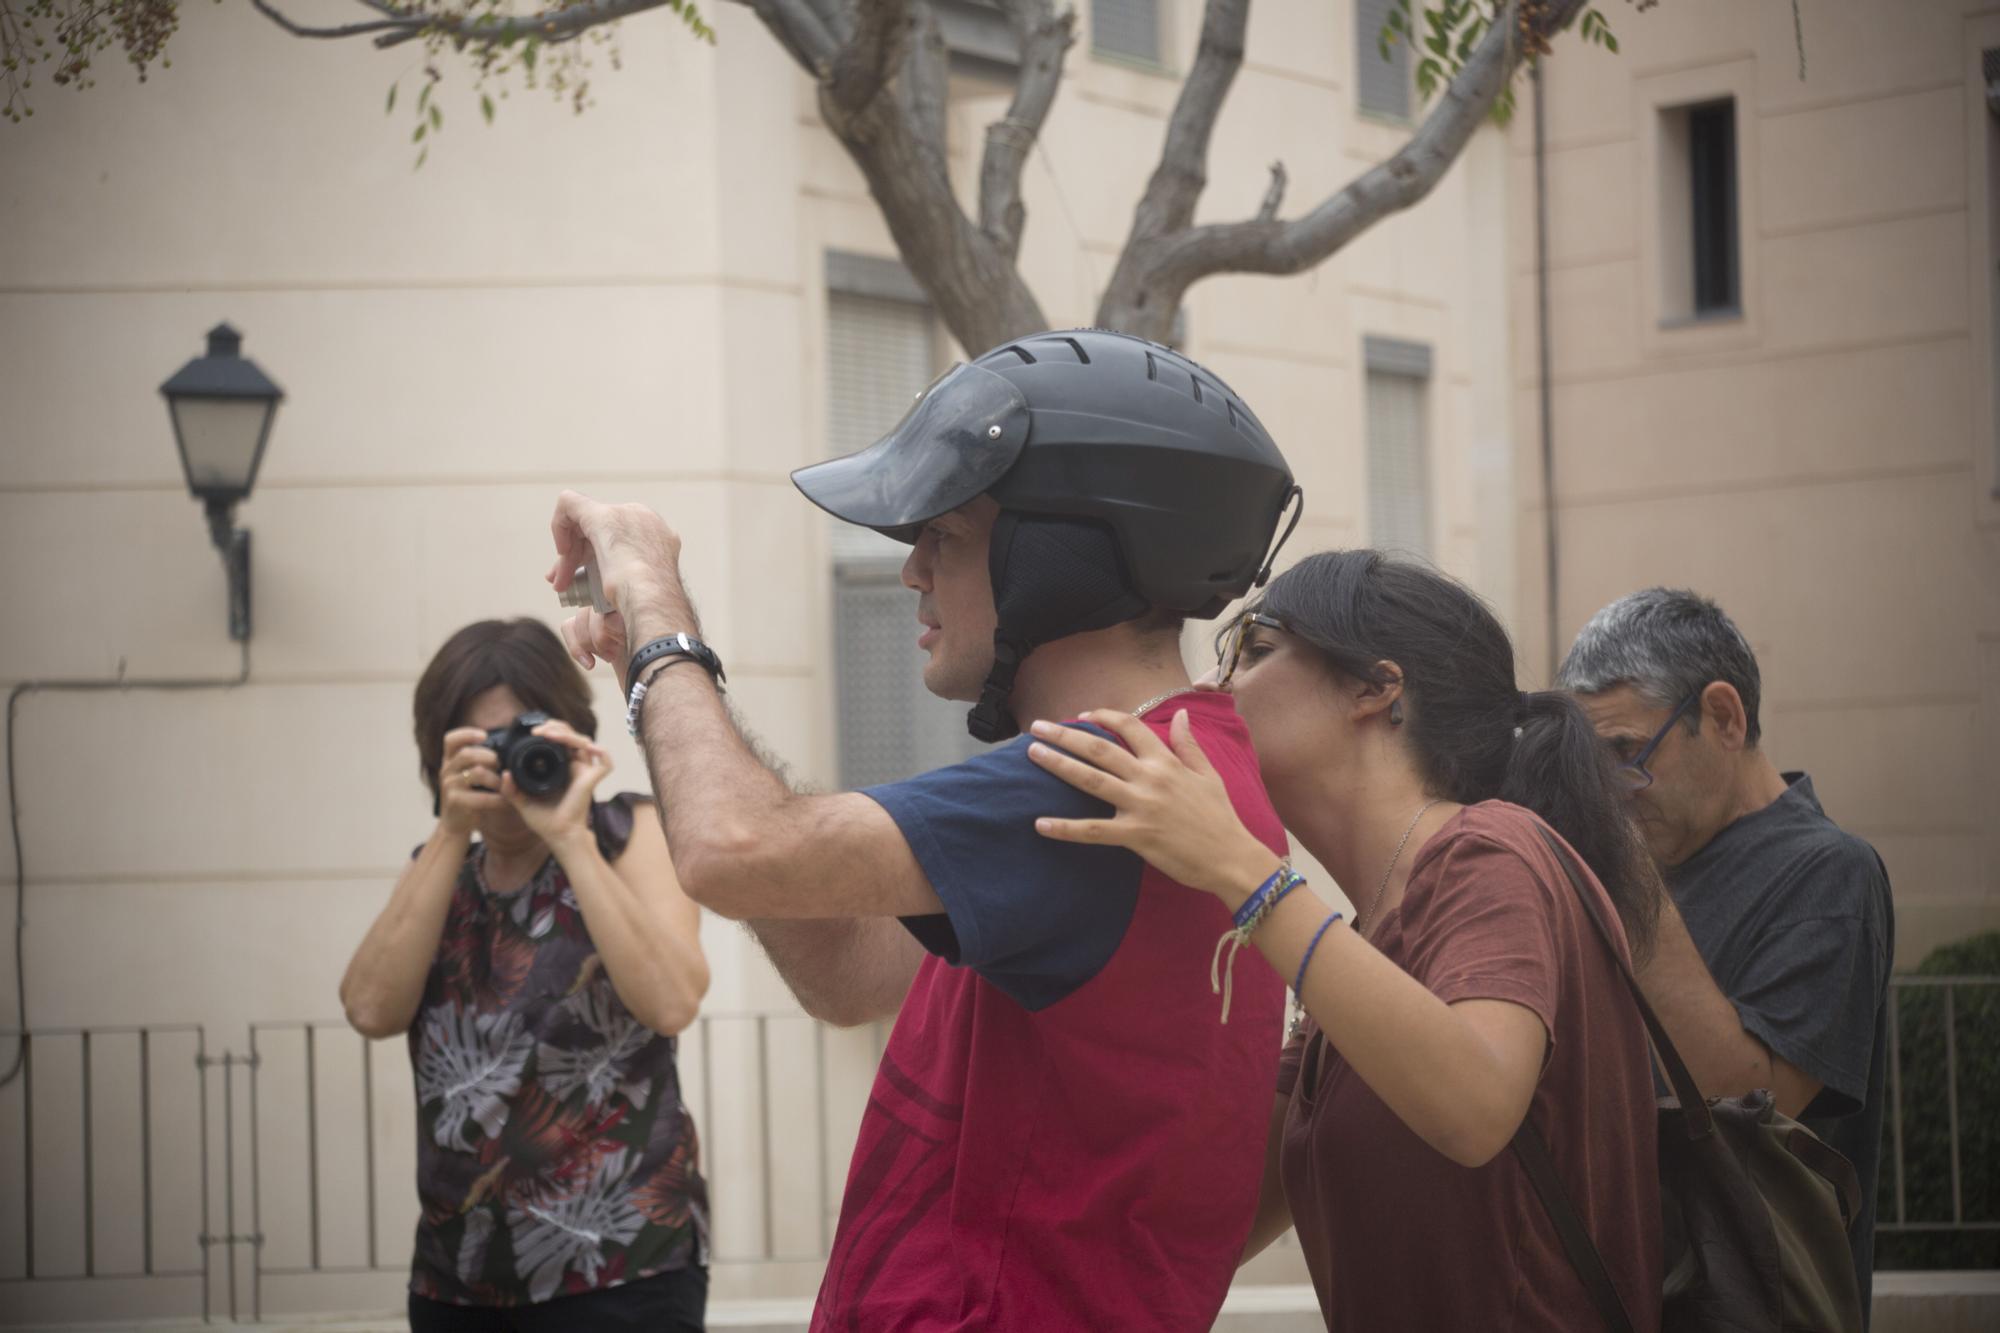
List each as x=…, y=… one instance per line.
x=1756, y=1206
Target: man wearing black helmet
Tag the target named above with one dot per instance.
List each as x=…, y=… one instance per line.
x=1056, y=1061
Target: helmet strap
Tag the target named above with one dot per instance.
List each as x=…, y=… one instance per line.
x=990, y=719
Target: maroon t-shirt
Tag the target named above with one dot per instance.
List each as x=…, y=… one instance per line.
x=1397, y=1235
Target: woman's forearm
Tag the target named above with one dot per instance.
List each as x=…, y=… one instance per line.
x=384, y=981
x=654, y=963
x=1460, y=1076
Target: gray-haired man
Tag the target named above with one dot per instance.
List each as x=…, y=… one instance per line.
x=1772, y=967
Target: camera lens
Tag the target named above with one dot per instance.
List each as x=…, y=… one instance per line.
x=540, y=767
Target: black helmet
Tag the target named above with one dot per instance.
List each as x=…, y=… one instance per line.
x=1128, y=477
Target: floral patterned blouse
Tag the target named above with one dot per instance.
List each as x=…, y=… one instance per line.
x=554, y=1155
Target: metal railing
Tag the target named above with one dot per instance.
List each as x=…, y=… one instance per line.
x=119, y=1172
x=1905, y=1121
x=116, y=1072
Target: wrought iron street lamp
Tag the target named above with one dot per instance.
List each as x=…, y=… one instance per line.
x=222, y=406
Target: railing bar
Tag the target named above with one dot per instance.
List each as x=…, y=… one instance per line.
x=312, y=1139
x=229, y=1166
x=1951, y=1099
x=368, y=1133
x=707, y=1078
x=207, y=1249
x=764, y=1133
x=255, y=1064
x=89, y=1169
x=146, y=1146
x=28, y=1144
x=1896, y=1100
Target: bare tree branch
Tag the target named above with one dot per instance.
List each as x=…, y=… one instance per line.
x=925, y=86
x=1045, y=38
x=401, y=25
x=800, y=28
x=345, y=30
x=802, y=31
x=870, y=54
x=1156, y=269
x=1275, y=195
x=1177, y=183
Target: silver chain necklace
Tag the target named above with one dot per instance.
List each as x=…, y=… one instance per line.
x=1383, y=886
x=1159, y=699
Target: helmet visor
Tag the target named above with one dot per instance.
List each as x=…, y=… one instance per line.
x=958, y=439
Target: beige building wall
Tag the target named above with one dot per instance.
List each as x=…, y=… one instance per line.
x=632, y=302
x=1822, y=465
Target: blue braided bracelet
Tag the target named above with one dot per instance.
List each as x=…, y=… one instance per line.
x=1299, y=982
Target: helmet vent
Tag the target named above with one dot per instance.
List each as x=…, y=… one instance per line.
x=1152, y=367
x=1077, y=347
x=1229, y=405
x=1021, y=352
x=1195, y=381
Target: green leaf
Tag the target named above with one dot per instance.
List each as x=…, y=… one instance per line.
x=1428, y=73
x=392, y=100
x=418, y=137
x=486, y=107
x=1436, y=45
x=1611, y=43
x=422, y=158
x=437, y=118
x=424, y=97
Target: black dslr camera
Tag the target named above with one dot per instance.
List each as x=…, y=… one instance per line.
x=540, y=767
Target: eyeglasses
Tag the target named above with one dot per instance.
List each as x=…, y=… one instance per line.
x=1229, y=643
x=1633, y=771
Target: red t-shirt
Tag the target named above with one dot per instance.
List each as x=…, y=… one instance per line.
x=1063, y=1134
x=1397, y=1235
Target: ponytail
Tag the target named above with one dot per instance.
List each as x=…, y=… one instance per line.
x=1561, y=770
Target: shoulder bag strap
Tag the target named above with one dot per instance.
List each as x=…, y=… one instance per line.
x=1534, y=1157
x=1533, y=1153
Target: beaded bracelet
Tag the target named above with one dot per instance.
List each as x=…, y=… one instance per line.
x=1246, y=919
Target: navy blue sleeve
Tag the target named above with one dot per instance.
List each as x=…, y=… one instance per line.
x=1035, y=917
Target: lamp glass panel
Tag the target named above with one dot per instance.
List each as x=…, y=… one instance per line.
x=219, y=440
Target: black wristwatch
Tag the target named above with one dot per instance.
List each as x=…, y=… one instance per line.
x=676, y=645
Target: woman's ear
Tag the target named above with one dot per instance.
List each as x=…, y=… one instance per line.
x=1381, y=696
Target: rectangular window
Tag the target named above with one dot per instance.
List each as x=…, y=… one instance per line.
x=1399, y=476
x=1128, y=28
x=881, y=352
x=1712, y=184
x=1698, y=226
x=1382, y=87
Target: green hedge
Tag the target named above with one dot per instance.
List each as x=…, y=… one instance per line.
x=1926, y=1120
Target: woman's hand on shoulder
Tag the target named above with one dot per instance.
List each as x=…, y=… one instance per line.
x=1171, y=806
x=567, y=817
x=468, y=781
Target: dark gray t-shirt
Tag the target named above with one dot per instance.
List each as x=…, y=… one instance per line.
x=1793, y=917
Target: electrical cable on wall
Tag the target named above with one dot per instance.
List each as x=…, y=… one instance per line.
x=120, y=682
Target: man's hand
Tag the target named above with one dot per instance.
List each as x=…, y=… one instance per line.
x=638, y=570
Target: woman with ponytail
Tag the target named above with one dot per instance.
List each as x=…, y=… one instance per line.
x=1467, y=994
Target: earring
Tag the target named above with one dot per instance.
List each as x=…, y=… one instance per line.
x=1395, y=712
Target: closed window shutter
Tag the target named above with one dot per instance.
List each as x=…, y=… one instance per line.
x=890, y=725
x=1399, y=481
x=1381, y=86
x=1126, y=28
x=879, y=358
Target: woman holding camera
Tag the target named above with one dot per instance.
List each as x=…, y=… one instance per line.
x=540, y=954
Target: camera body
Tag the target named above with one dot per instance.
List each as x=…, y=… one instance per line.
x=540, y=767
